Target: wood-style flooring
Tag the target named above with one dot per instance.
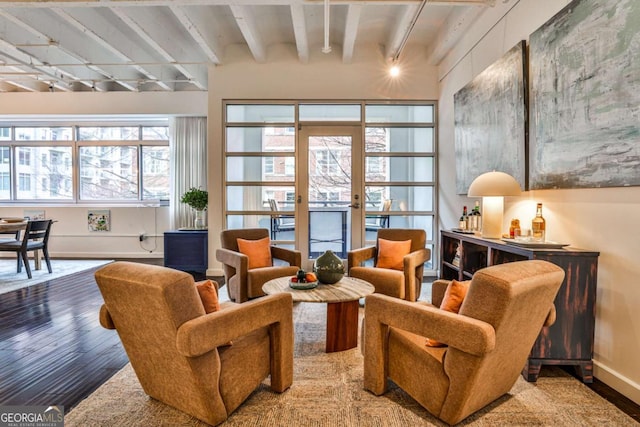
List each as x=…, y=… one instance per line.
x=53, y=350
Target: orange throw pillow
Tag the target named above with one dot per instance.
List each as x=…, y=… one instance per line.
x=209, y=296
x=452, y=300
x=392, y=252
x=258, y=251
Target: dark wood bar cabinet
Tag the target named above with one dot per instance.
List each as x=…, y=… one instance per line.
x=569, y=341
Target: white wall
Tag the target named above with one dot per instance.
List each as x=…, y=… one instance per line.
x=70, y=236
x=596, y=219
x=284, y=77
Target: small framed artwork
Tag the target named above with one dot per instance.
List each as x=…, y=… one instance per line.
x=34, y=215
x=99, y=220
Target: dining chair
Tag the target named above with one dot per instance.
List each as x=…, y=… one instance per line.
x=376, y=222
x=35, y=237
x=280, y=222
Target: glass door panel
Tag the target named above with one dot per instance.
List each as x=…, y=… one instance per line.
x=330, y=190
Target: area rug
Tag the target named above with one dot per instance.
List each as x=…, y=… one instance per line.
x=327, y=391
x=10, y=280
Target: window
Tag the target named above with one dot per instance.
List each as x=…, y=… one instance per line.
x=397, y=167
x=112, y=163
x=24, y=182
x=108, y=173
x=24, y=157
x=289, y=166
x=327, y=162
x=268, y=165
x=155, y=174
x=44, y=133
x=112, y=133
x=4, y=183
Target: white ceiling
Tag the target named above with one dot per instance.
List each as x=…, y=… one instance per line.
x=165, y=45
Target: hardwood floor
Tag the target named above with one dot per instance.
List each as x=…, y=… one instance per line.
x=53, y=350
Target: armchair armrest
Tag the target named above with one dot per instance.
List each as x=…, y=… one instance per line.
x=233, y=259
x=467, y=334
x=551, y=317
x=293, y=257
x=356, y=257
x=381, y=312
x=411, y=262
x=105, y=318
x=438, y=288
x=205, y=333
x=415, y=259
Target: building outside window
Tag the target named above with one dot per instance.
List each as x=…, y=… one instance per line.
x=112, y=163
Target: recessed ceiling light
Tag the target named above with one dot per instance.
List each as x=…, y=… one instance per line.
x=394, y=71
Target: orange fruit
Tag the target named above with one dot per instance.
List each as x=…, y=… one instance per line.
x=311, y=277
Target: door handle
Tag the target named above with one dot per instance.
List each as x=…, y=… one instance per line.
x=356, y=205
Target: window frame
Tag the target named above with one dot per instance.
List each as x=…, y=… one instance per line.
x=17, y=169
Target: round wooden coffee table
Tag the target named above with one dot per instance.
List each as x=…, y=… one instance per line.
x=342, y=306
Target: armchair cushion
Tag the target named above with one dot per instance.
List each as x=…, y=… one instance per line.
x=391, y=253
x=387, y=281
x=209, y=295
x=258, y=252
x=259, y=276
x=453, y=297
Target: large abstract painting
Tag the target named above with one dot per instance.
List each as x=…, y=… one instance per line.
x=490, y=121
x=585, y=96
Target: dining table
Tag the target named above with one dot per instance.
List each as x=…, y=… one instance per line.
x=11, y=226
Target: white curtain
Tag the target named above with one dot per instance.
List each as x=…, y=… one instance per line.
x=188, y=146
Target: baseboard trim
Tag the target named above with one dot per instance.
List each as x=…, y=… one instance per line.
x=215, y=272
x=105, y=255
x=617, y=381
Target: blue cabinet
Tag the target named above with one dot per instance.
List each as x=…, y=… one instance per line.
x=186, y=250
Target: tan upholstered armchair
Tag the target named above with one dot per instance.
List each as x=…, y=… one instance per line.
x=244, y=283
x=488, y=341
x=405, y=284
x=181, y=355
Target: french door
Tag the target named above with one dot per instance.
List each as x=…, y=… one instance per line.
x=329, y=190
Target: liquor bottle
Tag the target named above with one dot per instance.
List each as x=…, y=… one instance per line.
x=465, y=218
x=538, y=226
x=472, y=218
x=478, y=217
x=514, y=230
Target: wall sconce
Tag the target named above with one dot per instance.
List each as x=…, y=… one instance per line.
x=492, y=187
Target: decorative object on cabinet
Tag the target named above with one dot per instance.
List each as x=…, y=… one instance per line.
x=491, y=121
x=569, y=341
x=492, y=187
x=582, y=125
x=198, y=200
x=186, y=250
